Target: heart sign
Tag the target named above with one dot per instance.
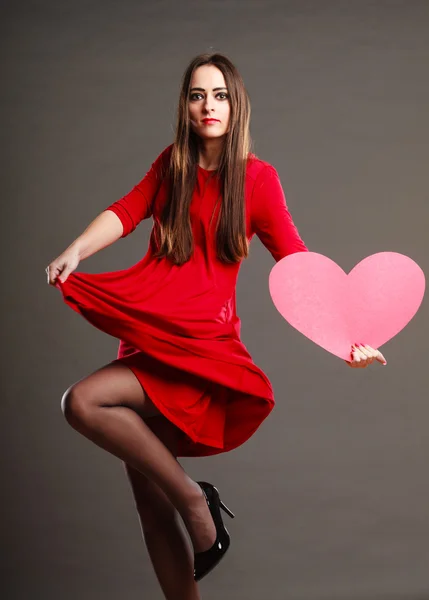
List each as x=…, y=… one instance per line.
x=370, y=305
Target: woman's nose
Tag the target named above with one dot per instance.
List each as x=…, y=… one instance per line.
x=208, y=105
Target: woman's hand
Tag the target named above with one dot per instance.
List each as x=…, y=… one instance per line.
x=363, y=355
x=65, y=264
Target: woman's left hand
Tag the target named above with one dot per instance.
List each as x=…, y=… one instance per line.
x=363, y=355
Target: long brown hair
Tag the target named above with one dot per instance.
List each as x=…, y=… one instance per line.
x=175, y=233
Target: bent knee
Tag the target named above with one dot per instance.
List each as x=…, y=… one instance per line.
x=74, y=405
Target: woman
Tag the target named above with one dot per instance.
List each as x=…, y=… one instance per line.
x=183, y=383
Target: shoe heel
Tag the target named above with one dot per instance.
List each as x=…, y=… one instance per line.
x=226, y=509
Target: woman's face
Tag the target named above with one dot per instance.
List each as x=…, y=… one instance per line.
x=209, y=98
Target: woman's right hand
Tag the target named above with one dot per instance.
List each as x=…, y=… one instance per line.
x=65, y=264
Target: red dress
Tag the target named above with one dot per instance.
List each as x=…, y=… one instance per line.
x=177, y=325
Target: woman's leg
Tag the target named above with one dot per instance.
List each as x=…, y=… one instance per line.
x=108, y=407
x=166, y=542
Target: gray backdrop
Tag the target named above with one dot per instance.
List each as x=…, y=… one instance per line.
x=331, y=494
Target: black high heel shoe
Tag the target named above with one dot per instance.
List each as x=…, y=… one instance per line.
x=205, y=561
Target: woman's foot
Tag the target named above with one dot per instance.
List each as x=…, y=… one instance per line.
x=206, y=560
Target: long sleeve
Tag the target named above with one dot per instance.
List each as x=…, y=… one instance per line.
x=270, y=217
x=138, y=203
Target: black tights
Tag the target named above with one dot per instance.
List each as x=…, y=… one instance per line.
x=110, y=408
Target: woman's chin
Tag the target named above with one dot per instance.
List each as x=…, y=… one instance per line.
x=209, y=135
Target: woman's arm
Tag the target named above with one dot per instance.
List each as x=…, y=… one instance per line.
x=116, y=221
x=138, y=203
x=105, y=229
x=270, y=217
x=273, y=224
x=122, y=217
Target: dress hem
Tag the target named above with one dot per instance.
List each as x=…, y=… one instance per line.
x=210, y=442
x=249, y=385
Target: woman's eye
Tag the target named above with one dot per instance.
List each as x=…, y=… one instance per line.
x=193, y=96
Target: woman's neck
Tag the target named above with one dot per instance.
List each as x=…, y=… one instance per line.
x=209, y=153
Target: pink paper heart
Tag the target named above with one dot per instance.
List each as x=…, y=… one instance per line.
x=370, y=305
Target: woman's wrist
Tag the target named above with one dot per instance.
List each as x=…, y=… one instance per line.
x=78, y=247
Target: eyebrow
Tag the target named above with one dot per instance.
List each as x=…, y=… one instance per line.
x=203, y=90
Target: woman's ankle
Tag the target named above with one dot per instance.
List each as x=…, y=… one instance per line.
x=200, y=524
